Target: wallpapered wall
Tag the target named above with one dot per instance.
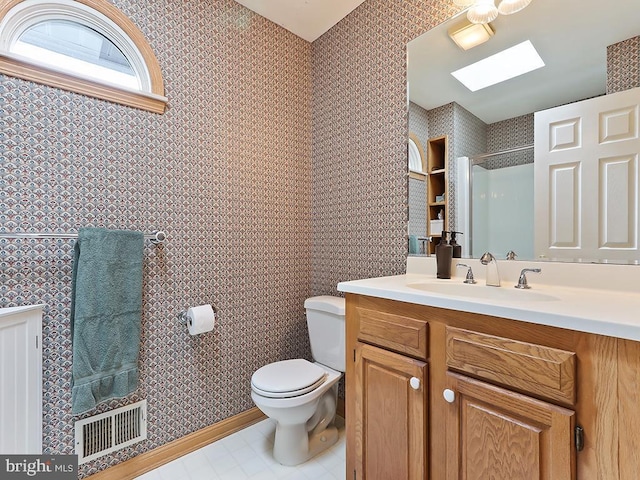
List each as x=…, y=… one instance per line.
x=225, y=172
x=417, y=188
x=278, y=170
x=360, y=129
x=623, y=65
x=228, y=173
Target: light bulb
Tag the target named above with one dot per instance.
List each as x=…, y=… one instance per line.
x=482, y=11
x=507, y=7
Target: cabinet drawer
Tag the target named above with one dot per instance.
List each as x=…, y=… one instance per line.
x=394, y=332
x=535, y=369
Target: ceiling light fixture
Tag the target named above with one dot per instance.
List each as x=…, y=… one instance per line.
x=507, y=7
x=468, y=35
x=485, y=11
x=482, y=11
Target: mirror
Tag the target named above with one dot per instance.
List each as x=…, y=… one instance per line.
x=572, y=37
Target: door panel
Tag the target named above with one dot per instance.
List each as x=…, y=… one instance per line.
x=586, y=179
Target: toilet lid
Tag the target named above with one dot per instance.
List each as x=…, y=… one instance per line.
x=288, y=378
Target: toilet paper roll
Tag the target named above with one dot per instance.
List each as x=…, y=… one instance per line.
x=200, y=319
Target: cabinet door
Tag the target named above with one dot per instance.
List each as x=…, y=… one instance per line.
x=391, y=419
x=496, y=434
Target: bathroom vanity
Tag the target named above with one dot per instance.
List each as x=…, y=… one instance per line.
x=478, y=385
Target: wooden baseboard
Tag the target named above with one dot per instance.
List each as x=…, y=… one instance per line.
x=155, y=458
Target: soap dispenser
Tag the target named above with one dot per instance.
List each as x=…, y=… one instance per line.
x=444, y=254
x=457, y=249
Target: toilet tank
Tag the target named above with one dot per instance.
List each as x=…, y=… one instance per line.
x=325, y=321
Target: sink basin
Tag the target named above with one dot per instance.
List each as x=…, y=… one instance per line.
x=465, y=290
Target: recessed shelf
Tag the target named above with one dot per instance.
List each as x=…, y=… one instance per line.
x=436, y=185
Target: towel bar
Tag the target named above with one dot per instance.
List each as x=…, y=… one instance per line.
x=157, y=237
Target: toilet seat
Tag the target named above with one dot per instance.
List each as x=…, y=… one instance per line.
x=287, y=378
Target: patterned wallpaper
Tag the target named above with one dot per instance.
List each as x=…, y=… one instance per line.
x=417, y=189
x=507, y=134
x=278, y=170
x=225, y=172
x=417, y=208
x=471, y=133
x=623, y=65
x=360, y=129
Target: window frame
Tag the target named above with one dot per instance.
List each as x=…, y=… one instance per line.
x=18, y=15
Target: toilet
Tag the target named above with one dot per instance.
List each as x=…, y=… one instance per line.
x=300, y=395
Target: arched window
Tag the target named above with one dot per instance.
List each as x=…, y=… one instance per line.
x=85, y=46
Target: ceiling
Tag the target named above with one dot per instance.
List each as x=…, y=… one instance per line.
x=308, y=19
x=570, y=35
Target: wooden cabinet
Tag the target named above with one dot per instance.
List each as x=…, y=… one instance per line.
x=545, y=372
x=390, y=415
x=387, y=394
x=517, y=392
x=497, y=434
x=437, y=182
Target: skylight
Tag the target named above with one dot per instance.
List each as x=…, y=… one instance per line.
x=504, y=65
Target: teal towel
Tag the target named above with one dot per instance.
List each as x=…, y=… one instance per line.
x=414, y=246
x=106, y=308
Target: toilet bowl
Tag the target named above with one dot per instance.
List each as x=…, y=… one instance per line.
x=300, y=395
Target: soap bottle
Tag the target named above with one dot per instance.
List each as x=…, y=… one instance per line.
x=457, y=249
x=444, y=253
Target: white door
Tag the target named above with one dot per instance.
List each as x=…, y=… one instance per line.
x=21, y=380
x=586, y=179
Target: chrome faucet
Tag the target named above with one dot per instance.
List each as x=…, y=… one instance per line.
x=469, y=278
x=493, y=277
x=522, y=281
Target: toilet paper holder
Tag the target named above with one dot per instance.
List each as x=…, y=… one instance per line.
x=184, y=320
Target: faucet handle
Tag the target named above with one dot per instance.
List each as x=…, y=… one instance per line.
x=511, y=255
x=487, y=258
x=522, y=281
x=469, y=278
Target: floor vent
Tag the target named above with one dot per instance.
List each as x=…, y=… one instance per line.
x=110, y=431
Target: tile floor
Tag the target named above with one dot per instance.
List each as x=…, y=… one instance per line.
x=247, y=454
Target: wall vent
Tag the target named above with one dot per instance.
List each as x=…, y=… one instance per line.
x=110, y=431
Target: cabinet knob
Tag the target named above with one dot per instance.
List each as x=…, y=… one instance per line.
x=415, y=383
x=449, y=395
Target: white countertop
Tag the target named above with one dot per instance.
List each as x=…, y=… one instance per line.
x=587, y=308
